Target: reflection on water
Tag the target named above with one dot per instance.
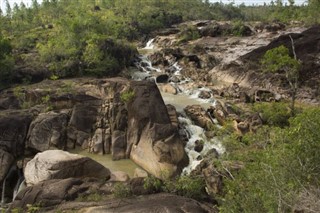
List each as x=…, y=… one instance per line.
x=125, y=165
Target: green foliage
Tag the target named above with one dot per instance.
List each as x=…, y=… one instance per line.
x=16, y=210
x=279, y=164
x=54, y=77
x=6, y=63
x=33, y=208
x=187, y=186
x=278, y=59
x=303, y=143
x=127, y=96
x=274, y=113
x=153, y=184
x=239, y=28
x=93, y=197
x=188, y=34
x=122, y=190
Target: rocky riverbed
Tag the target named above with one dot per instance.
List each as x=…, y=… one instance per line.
x=164, y=120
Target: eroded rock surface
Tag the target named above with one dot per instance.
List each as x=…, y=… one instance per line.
x=58, y=164
x=153, y=140
x=126, y=119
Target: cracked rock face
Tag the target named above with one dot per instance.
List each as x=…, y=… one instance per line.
x=58, y=164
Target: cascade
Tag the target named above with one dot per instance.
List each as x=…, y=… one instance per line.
x=12, y=183
x=149, y=45
x=184, y=97
x=19, y=186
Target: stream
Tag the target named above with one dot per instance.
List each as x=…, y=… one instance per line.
x=183, y=98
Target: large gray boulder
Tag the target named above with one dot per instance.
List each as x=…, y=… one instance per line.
x=48, y=130
x=57, y=164
x=153, y=140
x=13, y=131
x=53, y=192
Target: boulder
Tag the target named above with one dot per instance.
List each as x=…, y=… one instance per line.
x=54, y=192
x=173, y=115
x=57, y=164
x=199, y=116
x=119, y=176
x=154, y=142
x=168, y=88
x=204, y=94
x=137, y=186
x=140, y=173
x=264, y=96
x=198, y=145
x=48, y=130
x=13, y=131
x=219, y=112
x=162, y=78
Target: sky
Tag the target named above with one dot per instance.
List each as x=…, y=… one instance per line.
x=247, y=2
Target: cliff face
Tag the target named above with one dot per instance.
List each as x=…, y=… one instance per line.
x=106, y=116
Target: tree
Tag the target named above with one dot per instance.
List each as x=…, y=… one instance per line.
x=313, y=10
x=279, y=60
x=6, y=62
x=291, y=2
x=8, y=9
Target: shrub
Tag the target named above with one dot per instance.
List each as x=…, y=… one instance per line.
x=127, y=96
x=153, y=184
x=6, y=63
x=187, y=186
x=277, y=173
x=122, y=190
x=95, y=197
x=274, y=114
x=188, y=34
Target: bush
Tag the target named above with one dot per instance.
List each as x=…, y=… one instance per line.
x=153, y=184
x=274, y=114
x=188, y=34
x=127, y=96
x=6, y=63
x=187, y=186
x=122, y=190
x=280, y=166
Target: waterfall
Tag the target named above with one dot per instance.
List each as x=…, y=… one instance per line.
x=145, y=65
x=149, y=45
x=19, y=186
x=197, y=134
x=14, y=178
x=186, y=96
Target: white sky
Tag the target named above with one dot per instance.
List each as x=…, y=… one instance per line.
x=247, y=2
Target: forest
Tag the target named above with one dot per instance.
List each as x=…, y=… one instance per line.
x=63, y=39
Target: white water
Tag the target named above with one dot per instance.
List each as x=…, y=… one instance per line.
x=186, y=96
x=196, y=133
x=149, y=45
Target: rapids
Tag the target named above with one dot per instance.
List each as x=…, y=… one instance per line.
x=185, y=97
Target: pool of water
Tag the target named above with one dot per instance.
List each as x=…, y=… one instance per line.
x=125, y=165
